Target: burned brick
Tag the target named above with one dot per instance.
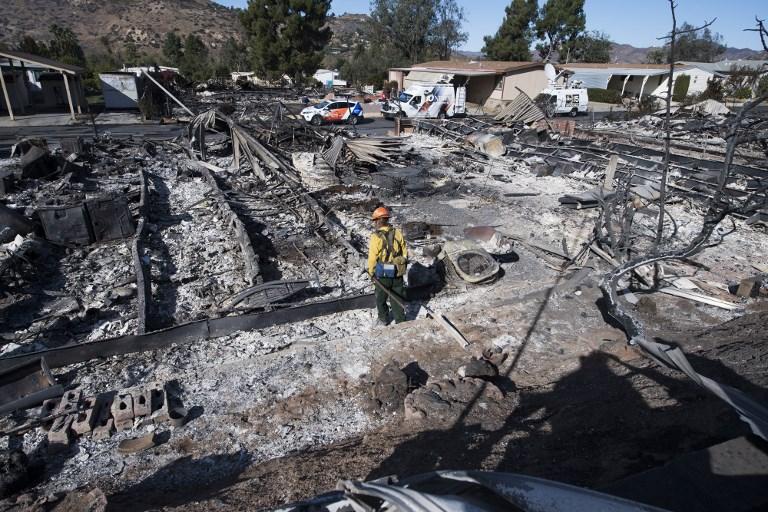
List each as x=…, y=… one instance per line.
x=122, y=411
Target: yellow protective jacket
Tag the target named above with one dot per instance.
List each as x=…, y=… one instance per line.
x=377, y=252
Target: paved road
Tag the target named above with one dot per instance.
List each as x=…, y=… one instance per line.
x=375, y=126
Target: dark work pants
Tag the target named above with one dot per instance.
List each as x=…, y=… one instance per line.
x=397, y=286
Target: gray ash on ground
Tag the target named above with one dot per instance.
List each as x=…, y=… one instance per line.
x=284, y=412
x=195, y=264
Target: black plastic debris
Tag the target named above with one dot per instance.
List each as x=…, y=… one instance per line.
x=37, y=162
x=6, y=181
x=13, y=223
x=110, y=218
x=96, y=220
x=66, y=224
x=588, y=199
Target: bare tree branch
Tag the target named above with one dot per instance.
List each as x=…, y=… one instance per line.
x=686, y=31
x=760, y=30
x=667, y=130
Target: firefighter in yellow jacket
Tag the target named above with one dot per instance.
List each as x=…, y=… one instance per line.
x=387, y=261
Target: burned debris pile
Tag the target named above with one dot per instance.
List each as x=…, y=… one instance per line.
x=230, y=263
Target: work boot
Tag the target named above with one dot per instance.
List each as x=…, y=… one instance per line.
x=378, y=322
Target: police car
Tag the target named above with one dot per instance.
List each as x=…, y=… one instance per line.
x=333, y=111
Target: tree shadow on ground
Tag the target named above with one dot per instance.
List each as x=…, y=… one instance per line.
x=182, y=481
x=594, y=426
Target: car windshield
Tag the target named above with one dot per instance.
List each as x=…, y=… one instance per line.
x=405, y=97
x=323, y=104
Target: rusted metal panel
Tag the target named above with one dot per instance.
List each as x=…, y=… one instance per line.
x=27, y=384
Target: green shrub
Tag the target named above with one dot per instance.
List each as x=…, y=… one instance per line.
x=604, y=96
x=714, y=91
x=680, y=89
x=742, y=93
x=762, y=86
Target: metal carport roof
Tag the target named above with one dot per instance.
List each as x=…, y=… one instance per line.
x=41, y=62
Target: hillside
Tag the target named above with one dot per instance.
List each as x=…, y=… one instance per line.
x=143, y=22
x=628, y=53
x=348, y=31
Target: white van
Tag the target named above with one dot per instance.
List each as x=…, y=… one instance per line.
x=569, y=101
x=427, y=100
x=570, y=98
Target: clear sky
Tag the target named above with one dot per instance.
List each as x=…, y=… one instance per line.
x=635, y=22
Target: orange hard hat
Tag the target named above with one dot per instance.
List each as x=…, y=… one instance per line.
x=380, y=213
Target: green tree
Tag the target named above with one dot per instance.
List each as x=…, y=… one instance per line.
x=367, y=65
x=131, y=56
x=29, y=44
x=101, y=62
x=656, y=56
x=234, y=55
x=416, y=30
x=403, y=25
x=447, y=34
x=194, y=63
x=559, y=26
x=592, y=47
x=172, y=49
x=286, y=37
x=762, y=86
x=714, y=90
x=513, y=39
x=65, y=46
x=745, y=78
x=697, y=45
